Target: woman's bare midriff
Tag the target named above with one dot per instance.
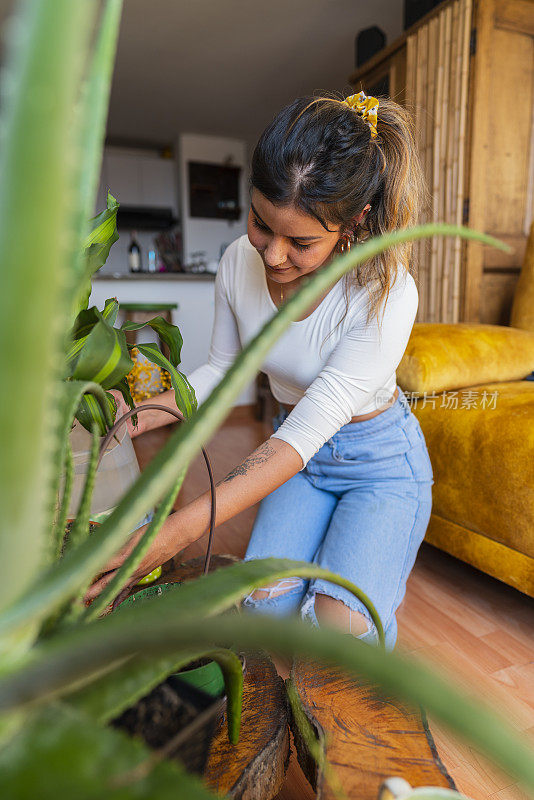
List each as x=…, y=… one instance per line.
x=361, y=417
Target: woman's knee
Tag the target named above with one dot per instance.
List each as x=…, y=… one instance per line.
x=330, y=611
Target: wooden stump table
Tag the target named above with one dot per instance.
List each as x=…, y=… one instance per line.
x=255, y=768
x=366, y=736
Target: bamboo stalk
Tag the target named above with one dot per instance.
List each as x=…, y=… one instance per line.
x=433, y=310
x=443, y=261
x=427, y=156
x=464, y=85
x=422, y=61
x=411, y=61
x=456, y=68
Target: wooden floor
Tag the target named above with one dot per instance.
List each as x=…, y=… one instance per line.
x=471, y=627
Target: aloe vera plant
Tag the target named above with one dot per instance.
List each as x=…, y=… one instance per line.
x=63, y=674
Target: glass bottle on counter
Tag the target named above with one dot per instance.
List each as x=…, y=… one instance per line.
x=134, y=254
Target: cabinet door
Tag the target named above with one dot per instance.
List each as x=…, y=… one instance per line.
x=123, y=178
x=158, y=182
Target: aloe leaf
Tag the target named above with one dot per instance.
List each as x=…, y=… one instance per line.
x=39, y=83
x=71, y=394
x=104, y=357
x=183, y=391
x=136, y=556
x=65, y=659
x=168, y=333
x=59, y=526
x=233, y=682
x=110, y=695
x=72, y=572
x=80, y=527
x=62, y=753
x=91, y=117
x=314, y=746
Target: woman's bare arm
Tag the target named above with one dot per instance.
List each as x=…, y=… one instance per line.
x=272, y=463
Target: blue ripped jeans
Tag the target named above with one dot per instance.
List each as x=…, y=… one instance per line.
x=360, y=508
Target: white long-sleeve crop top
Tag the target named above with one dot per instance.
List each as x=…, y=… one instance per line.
x=353, y=373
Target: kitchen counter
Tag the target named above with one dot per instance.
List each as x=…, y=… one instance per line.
x=154, y=276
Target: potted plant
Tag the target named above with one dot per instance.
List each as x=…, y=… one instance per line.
x=65, y=674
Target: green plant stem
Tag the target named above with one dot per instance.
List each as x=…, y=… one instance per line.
x=136, y=556
x=80, y=527
x=61, y=521
x=64, y=579
x=63, y=662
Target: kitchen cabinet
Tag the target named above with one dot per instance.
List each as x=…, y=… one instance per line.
x=139, y=179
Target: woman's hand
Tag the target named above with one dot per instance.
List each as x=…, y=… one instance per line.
x=123, y=408
x=147, y=420
x=157, y=555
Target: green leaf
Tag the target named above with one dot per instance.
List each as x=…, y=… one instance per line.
x=61, y=522
x=40, y=81
x=88, y=317
x=72, y=393
x=90, y=413
x=80, y=527
x=104, y=357
x=91, y=116
x=183, y=391
x=184, y=444
x=61, y=753
x=168, y=333
x=109, y=695
x=102, y=236
x=93, y=647
x=124, y=388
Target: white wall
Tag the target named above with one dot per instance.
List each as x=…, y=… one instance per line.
x=210, y=234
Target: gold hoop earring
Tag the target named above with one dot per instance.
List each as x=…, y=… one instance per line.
x=345, y=243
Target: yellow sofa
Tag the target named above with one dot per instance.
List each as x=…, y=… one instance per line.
x=468, y=389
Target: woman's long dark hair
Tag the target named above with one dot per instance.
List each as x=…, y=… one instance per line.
x=318, y=156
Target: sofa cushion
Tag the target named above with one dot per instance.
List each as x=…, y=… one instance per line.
x=481, y=448
x=442, y=356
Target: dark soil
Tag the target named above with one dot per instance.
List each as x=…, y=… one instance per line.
x=166, y=713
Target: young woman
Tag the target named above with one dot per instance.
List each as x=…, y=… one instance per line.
x=345, y=479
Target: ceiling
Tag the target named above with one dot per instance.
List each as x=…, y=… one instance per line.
x=225, y=67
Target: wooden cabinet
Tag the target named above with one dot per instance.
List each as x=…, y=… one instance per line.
x=466, y=71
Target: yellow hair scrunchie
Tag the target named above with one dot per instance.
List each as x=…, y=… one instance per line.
x=367, y=107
